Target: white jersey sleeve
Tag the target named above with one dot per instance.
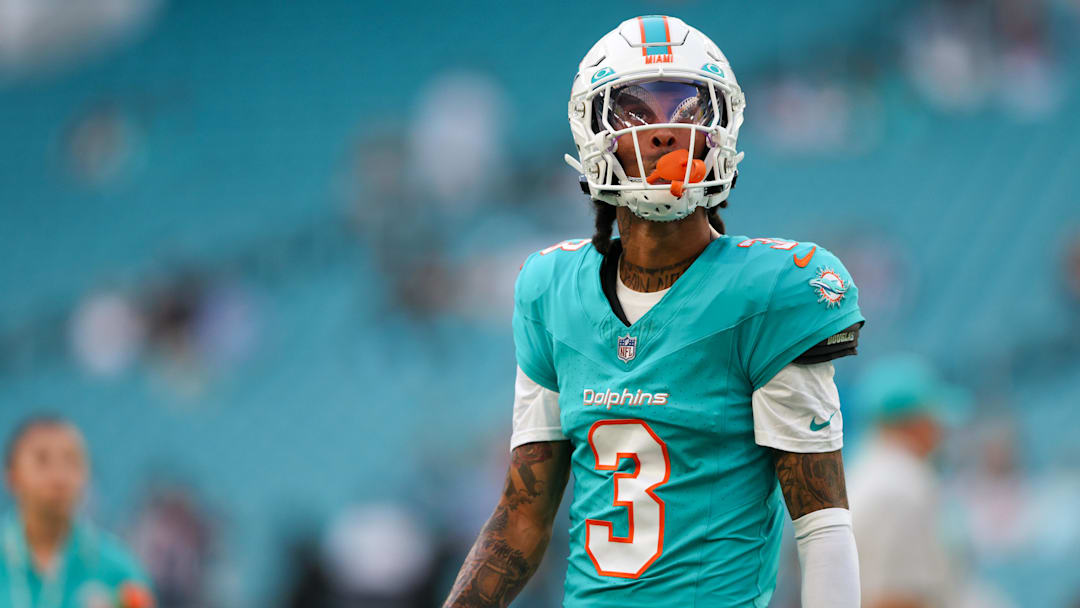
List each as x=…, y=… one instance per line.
x=536, y=413
x=799, y=410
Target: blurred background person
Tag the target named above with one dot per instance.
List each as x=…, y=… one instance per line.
x=895, y=491
x=176, y=540
x=370, y=556
x=51, y=558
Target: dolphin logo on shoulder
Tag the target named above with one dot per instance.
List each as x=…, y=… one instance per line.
x=830, y=287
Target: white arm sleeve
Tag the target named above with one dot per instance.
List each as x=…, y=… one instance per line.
x=829, y=559
x=536, y=413
x=799, y=410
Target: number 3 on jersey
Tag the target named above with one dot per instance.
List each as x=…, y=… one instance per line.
x=630, y=556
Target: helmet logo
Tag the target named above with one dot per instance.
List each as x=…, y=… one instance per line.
x=603, y=73
x=655, y=39
x=714, y=69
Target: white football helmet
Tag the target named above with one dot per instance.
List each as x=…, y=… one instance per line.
x=647, y=55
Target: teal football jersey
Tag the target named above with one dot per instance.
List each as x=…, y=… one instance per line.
x=674, y=503
x=94, y=569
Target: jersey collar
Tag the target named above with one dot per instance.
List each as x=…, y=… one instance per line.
x=601, y=304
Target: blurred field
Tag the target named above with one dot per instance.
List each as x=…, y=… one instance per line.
x=263, y=254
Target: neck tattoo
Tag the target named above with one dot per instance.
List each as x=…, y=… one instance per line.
x=640, y=278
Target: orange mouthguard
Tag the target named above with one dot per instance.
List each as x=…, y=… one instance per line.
x=672, y=167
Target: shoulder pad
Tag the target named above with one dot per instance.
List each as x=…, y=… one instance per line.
x=540, y=268
x=786, y=268
x=811, y=274
x=756, y=264
x=811, y=298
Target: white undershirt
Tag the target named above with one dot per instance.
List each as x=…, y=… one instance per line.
x=636, y=303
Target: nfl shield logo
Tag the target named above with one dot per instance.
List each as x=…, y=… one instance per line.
x=627, y=348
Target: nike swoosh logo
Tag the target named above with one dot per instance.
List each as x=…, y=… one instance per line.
x=814, y=426
x=803, y=261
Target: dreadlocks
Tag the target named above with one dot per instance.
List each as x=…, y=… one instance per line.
x=714, y=217
x=605, y=223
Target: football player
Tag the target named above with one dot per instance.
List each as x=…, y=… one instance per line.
x=682, y=375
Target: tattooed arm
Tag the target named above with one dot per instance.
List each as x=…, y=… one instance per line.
x=811, y=482
x=813, y=486
x=513, y=540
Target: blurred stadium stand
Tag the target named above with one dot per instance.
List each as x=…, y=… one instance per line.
x=240, y=251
